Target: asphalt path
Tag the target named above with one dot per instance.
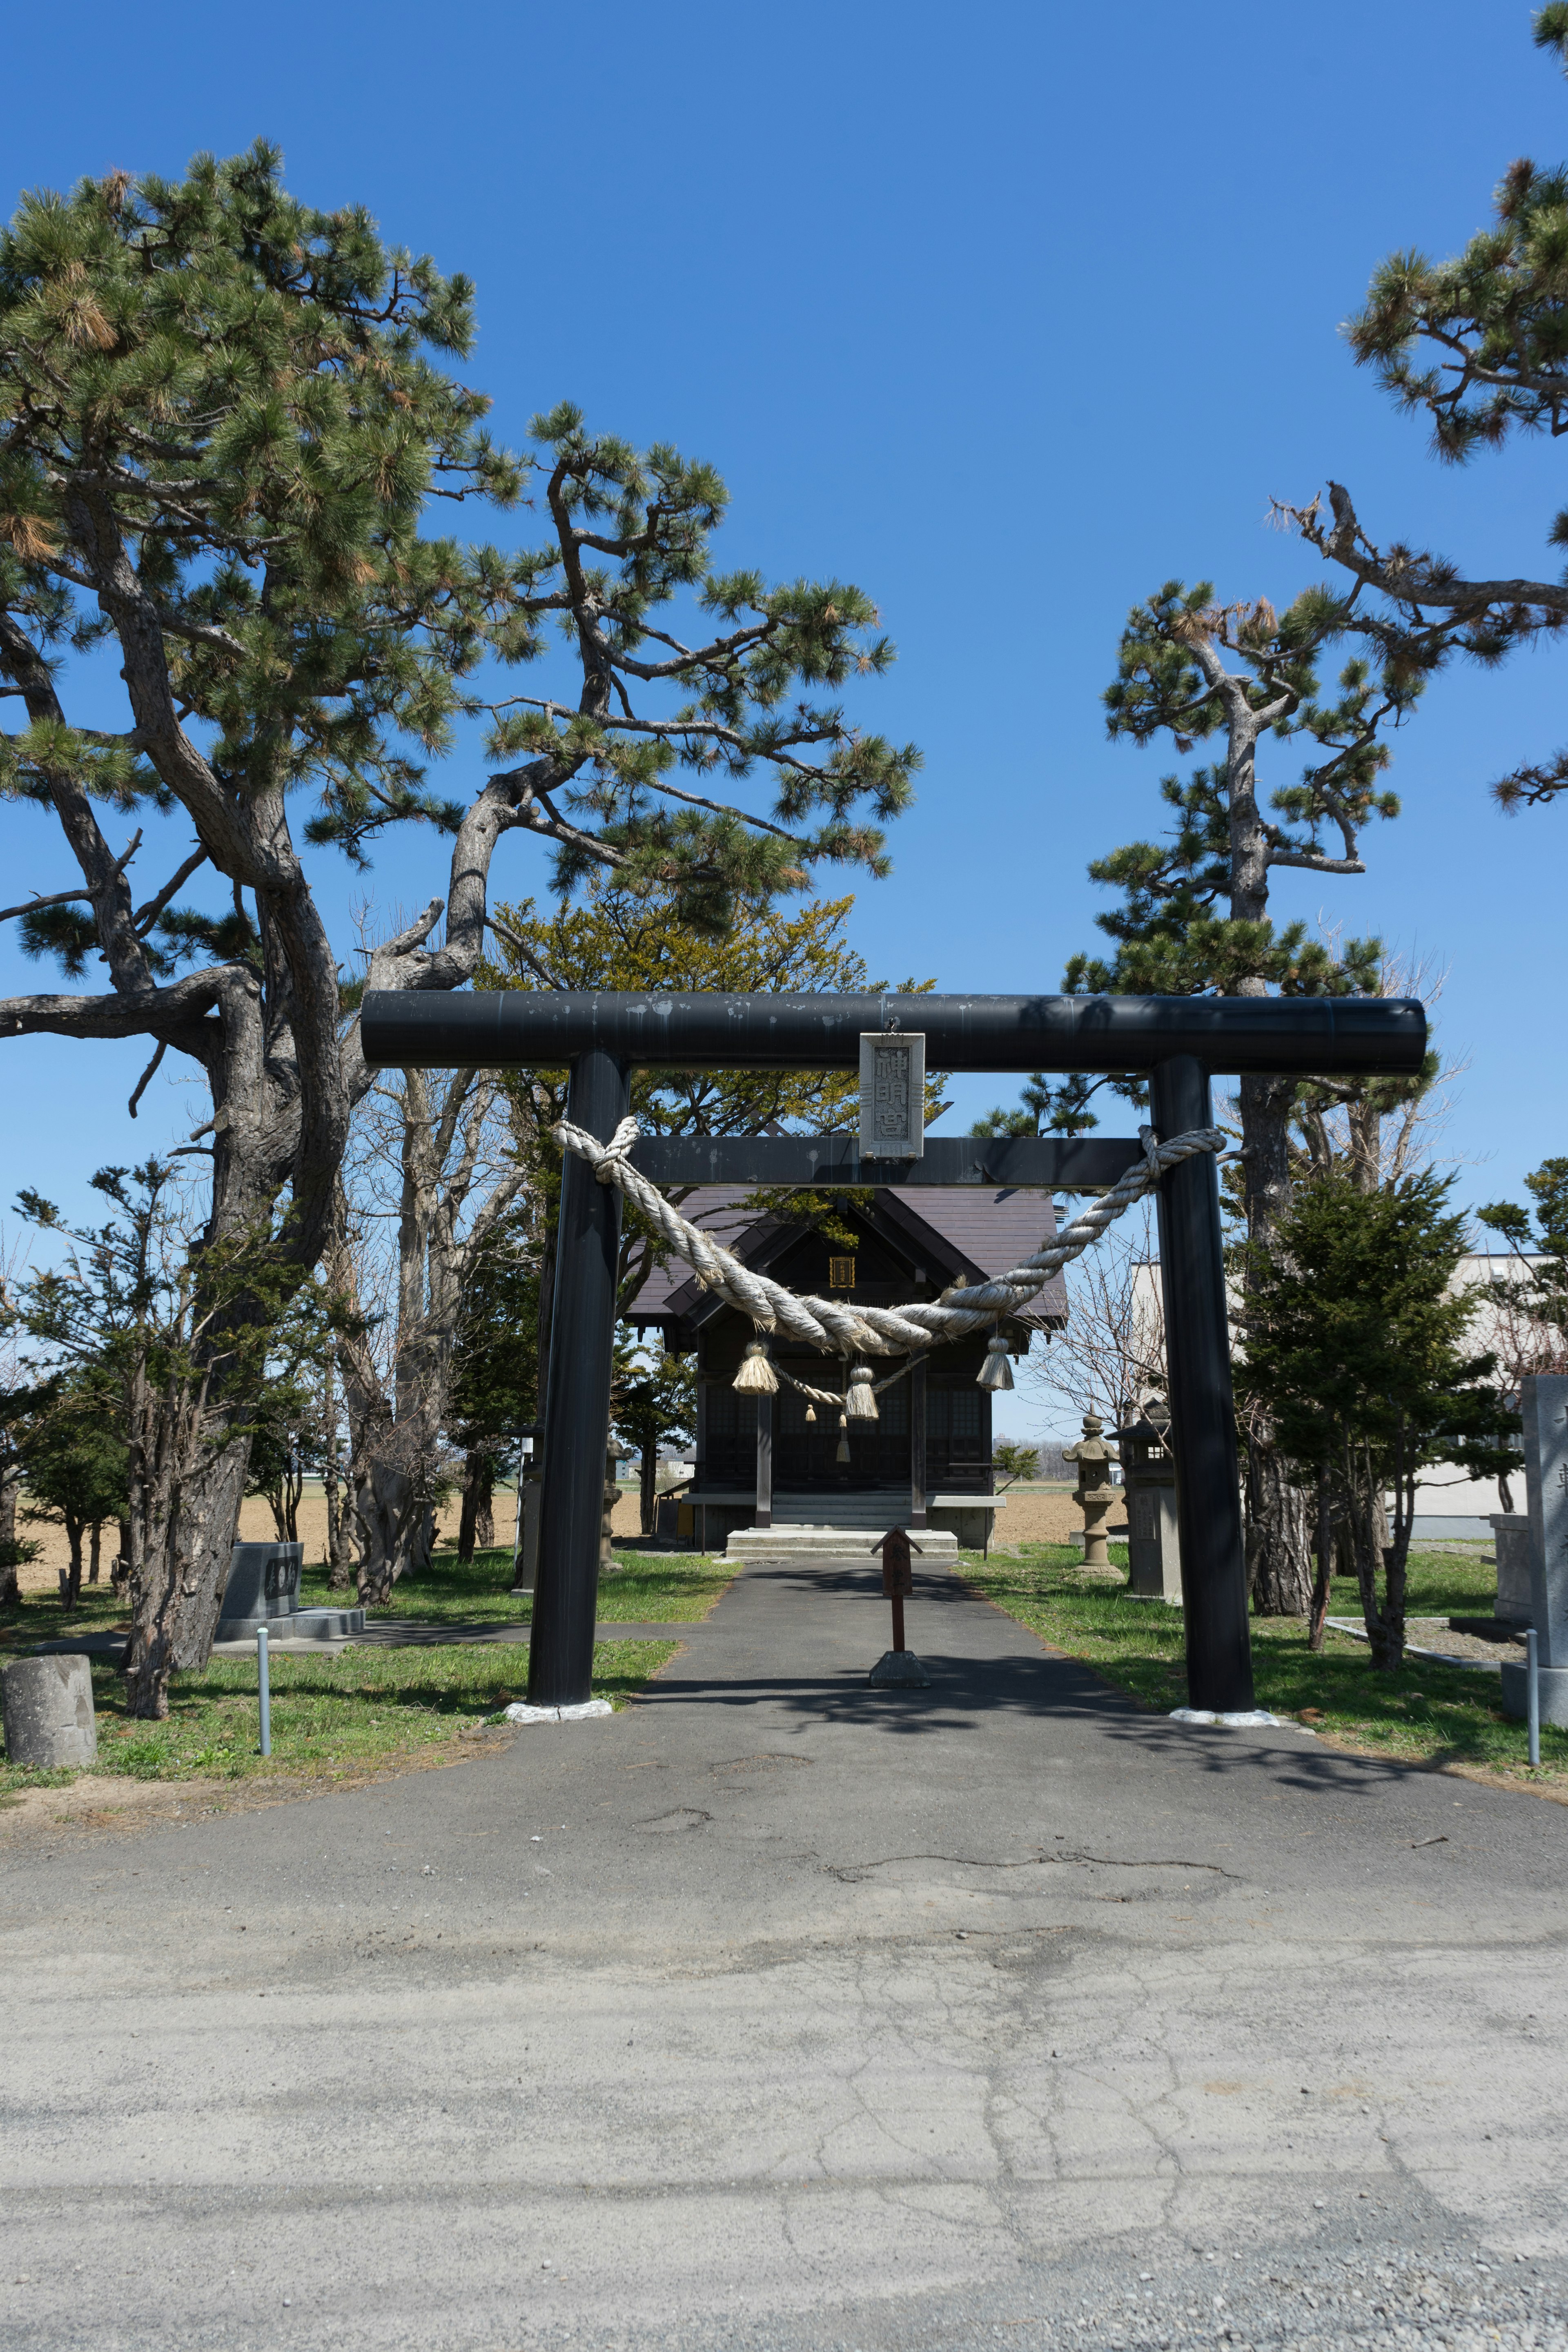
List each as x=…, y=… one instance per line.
x=778, y=2011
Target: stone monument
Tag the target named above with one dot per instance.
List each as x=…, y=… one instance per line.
x=1094, y=1493
x=1510, y=1541
x=263, y=1589
x=46, y=1705
x=1543, y=1409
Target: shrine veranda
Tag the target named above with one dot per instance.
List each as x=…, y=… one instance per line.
x=1177, y=1044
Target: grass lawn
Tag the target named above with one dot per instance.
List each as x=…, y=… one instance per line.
x=1427, y=1713
x=643, y=1588
x=367, y=1709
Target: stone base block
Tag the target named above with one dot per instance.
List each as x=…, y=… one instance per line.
x=297, y=1625
x=1553, y=1692
x=48, y=1709
x=899, y=1670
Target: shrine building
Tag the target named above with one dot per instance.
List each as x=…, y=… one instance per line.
x=773, y=1463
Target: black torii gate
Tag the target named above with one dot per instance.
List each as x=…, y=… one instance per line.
x=1177, y=1041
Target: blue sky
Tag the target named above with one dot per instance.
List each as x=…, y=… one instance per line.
x=1007, y=315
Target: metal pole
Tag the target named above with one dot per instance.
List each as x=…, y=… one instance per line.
x=577, y=1400
x=1203, y=1411
x=264, y=1689
x=517, y=1531
x=1533, y=1692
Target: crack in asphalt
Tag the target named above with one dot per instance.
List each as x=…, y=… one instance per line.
x=849, y=1871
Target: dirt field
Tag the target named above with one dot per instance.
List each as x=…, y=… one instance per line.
x=1033, y=1515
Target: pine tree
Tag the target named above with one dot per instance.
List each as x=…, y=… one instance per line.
x=1479, y=343
x=495, y=1364
x=1533, y=1304
x=74, y=1465
x=654, y=1403
x=225, y=420
x=1356, y=1349
x=1193, y=916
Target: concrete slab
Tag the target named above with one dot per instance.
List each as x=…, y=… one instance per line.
x=784, y=2012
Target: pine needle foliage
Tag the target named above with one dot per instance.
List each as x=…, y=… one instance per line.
x=228, y=422
x=1479, y=345
x=1538, y=1233
x=1357, y=1352
x=1193, y=914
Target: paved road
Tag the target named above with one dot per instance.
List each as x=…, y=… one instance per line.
x=778, y=2013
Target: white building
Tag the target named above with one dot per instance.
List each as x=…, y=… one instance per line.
x=1448, y=1503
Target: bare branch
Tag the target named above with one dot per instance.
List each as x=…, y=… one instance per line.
x=145, y=917
x=64, y=898
x=145, y=1079
x=519, y=947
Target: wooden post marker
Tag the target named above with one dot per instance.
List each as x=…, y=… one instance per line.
x=898, y=1668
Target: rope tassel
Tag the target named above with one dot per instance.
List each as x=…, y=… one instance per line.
x=995, y=1372
x=756, y=1376
x=860, y=1401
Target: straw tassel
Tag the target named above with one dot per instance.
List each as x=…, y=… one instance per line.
x=756, y=1376
x=860, y=1401
x=995, y=1372
x=843, y=1452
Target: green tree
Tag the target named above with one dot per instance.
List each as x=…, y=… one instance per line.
x=224, y=419
x=495, y=1371
x=1018, y=1460
x=74, y=1465
x=1357, y=1352
x=654, y=1403
x=1193, y=915
x=1530, y=1301
x=1048, y=1108
x=1478, y=345
x=122, y=1311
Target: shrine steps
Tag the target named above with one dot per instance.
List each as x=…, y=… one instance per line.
x=835, y=1527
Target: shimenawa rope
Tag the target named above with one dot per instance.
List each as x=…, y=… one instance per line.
x=835, y=1328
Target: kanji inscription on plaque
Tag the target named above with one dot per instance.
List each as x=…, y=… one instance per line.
x=892, y=1094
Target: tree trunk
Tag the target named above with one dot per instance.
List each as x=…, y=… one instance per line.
x=649, y=1486
x=485, y=1523
x=479, y=1479
x=396, y=1527
x=1320, y=1582
x=185, y=1496
x=336, y=1561
x=10, y=1581
x=612, y=1497
x=1278, y=1533
x=1279, y=1513
x=94, y=1555
x=71, y=1578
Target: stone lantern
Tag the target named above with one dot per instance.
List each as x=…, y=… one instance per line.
x=1094, y=1493
x=1149, y=1475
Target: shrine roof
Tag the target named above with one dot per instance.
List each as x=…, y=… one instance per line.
x=987, y=1229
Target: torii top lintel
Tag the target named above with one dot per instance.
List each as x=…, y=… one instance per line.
x=1308, y=1035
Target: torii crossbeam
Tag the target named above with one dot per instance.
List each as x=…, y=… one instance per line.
x=1178, y=1043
